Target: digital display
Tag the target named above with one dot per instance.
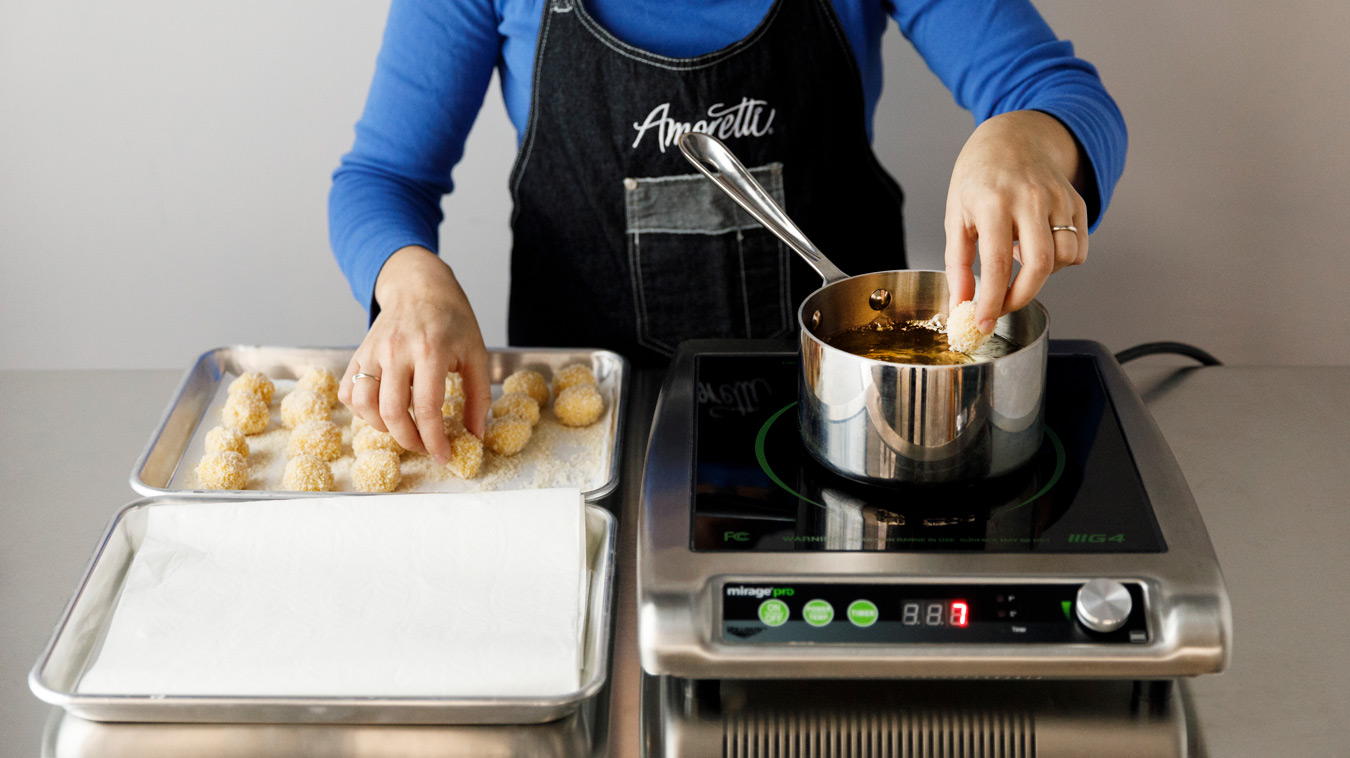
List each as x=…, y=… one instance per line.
x=953, y=613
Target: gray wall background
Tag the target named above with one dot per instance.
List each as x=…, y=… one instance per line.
x=164, y=170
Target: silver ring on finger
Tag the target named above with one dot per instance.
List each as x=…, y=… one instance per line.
x=1064, y=228
x=358, y=376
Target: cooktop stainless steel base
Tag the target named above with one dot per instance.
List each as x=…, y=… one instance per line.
x=919, y=719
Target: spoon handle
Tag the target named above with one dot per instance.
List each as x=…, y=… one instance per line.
x=713, y=158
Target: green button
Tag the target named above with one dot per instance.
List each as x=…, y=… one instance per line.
x=818, y=613
x=773, y=612
x=862, y=612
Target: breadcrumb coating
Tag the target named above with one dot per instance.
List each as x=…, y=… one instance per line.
x=516, y=404
x=305, y=473
x=223, y=470
x=246, y=412
x=377, y=471
x=300, y=406
x=571, y=376
x=453, y=406
x=466, y=455
x=963, y=334
x=223, y=438
x=321, y=382
x=507, y=435
x=454, y=385
x=254, y=383
x=579, y=405
x=321, y=439
x=371, y=438
x=531, y=383
x=358, y=424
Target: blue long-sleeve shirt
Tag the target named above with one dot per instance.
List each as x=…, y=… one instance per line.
x=438, y=56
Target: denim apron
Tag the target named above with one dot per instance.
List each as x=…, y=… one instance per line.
x=619, y=243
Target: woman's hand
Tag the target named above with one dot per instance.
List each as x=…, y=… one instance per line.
x=1015, y=178
x=425, y=329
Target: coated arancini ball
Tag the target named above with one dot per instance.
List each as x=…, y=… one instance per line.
x=371, y=438
x=301, y=406
x=453, y=406
x=321, y=439
x=223, y=470
x=305, y=473
x=321, y=382
x=507, y=435
x=376, y=471
x=531, y=383
x=466, y=455
x=516, y=404
x=454, y=384
x=963, y=334
x=254, y=384
x=223, y=438
x=579, y=405
x=571, y=376
x=246, y=412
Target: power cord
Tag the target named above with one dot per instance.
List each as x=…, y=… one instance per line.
x=1167, y=348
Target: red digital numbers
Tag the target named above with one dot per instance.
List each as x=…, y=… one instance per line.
x=960, y=613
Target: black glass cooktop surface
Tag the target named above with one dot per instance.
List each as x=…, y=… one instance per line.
x=757, y=489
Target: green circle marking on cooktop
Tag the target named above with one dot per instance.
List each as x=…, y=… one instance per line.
x=818, y=613
x=862, y=612
x=773, y=612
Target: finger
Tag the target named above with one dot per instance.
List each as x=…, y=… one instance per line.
x=1038, y=259
x=1066, y=248
x=995, y=244
x=428, y=397
x=960, y=257
x=477, y=391
x=345, y=386
x=1080, y=220
x=395, y=396
x=365, y=393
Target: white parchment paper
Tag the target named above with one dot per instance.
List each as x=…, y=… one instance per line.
x=447, y=595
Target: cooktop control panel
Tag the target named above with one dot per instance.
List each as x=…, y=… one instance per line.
x=1098, y=611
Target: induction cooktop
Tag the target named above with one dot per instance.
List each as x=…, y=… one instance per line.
x=754, y=561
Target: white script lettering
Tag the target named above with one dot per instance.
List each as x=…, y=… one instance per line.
x=747, y=118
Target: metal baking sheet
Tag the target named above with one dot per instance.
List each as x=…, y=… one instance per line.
x=163, y=467
x=74, y=643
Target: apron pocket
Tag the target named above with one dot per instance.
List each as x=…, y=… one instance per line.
x=701, y=267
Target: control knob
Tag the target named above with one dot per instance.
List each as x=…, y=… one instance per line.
x=1103, y=605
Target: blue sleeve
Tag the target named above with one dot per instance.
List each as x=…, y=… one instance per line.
x=430, y=78
x=998, y=56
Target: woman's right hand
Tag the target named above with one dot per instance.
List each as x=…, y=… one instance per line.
x=425, y=329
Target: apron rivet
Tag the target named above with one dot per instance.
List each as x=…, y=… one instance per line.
x=630, y=184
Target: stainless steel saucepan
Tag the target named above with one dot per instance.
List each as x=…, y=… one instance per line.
x=884, y=422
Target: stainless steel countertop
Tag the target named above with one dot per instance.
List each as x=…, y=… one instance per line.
x=1264, y=449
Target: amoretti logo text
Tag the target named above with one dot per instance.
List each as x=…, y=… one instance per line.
x=748, y=118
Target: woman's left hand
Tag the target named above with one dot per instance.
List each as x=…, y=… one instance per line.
x=1014, y=180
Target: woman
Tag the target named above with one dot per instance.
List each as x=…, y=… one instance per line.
x=618, y=243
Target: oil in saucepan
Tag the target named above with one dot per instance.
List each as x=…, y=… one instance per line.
x=913, y=342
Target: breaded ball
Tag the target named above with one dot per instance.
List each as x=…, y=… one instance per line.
x=377, y=471
x=507, y=435
x=454, y=384
x=466, y=455
x=531, y=383
x=254, y=384
x=453, y=406
x=223, y=438
x=963, y=334
x=516, y=404
x=321, y=382
x=301, y=406
x=571, y=376
x=305, y=473
x=371, y=438
x=321, y=439
x=246, y=412
x=223, y=470
x=579, y=405
x=358, y=424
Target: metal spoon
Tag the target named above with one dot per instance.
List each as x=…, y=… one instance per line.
x=713, y=158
